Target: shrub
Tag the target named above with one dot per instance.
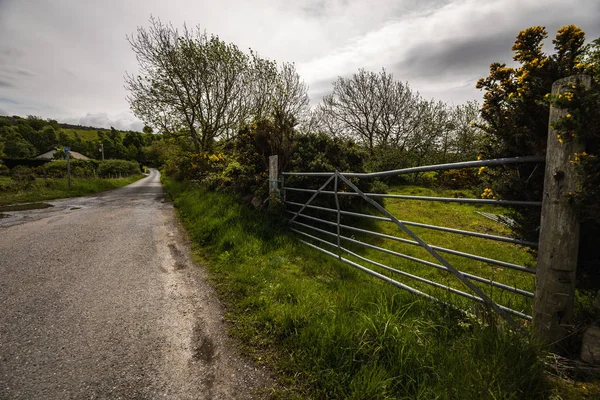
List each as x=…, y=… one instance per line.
x=22, y=176
x=79, y=168
x=118, y=167
x=457, y=179
x=323, y=153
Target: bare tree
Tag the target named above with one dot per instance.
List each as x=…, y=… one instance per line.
x=372, y=107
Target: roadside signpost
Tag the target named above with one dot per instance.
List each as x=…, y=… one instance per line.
x=67, y=151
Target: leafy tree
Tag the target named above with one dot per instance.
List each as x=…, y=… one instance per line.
x=15, y=146
x=196, y=86
x=191, y=84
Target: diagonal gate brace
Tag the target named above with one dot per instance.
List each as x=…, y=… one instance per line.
x=489, y=302
x=312, y=197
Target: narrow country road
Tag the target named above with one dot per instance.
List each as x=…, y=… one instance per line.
x=99, y=299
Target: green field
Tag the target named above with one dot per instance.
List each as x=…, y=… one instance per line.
x=41, y=189
x=83, y=133
x=328, y=330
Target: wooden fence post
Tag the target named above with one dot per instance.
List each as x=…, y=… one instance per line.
x=559, y=232
x=273, y=174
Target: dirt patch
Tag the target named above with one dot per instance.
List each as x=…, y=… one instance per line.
x=179, y=266
x=178, y=256
x=203, y=347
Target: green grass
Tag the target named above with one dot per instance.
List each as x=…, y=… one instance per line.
x=49, y=189
x=458, y=216
x=83, y=133
x=331, y=331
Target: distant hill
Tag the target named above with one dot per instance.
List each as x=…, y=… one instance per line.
x=14, y=118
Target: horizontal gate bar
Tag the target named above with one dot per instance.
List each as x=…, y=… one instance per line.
x=396, y=283
x=427, y=168
x=443, y=249
x=425, y=262
x=434, y=227
x=371, y=272
x=427, y=198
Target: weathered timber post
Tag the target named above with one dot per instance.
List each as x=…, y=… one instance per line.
x=273, y=174
x=559, y=231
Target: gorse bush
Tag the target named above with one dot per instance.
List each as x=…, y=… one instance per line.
x=241, y=165
x=457, y=178
x=516, y=113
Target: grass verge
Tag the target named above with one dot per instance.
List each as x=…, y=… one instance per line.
x=41, y=189
x=330, y=331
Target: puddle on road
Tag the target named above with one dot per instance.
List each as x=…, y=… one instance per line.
x=25, y=207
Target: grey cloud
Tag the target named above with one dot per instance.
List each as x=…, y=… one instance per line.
x=68, y=72
x=11, y=52
x=5, y=84
x=314, y=9
x=24, y=72
x=449, y=58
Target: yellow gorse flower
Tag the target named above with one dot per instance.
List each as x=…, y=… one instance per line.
x=488, y=193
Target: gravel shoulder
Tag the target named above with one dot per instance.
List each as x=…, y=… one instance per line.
x=101, y=300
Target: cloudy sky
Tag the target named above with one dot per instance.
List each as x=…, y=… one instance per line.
x=65, y=59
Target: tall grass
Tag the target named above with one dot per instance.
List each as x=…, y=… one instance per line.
x=330, y=331
x=56, y=188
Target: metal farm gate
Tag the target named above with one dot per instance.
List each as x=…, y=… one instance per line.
x=330, y=236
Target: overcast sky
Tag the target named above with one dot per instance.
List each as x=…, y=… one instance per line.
x=65, y=59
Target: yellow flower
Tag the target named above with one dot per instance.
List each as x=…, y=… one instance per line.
x=488, y=193
x=568, y=115
x=472, y=122
x=481, y=170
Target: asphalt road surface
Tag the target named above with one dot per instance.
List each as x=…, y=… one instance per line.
x=99, y=299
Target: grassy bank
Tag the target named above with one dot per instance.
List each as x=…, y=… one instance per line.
x=330, y=331
x=41, y=189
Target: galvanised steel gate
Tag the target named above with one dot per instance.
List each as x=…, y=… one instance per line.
x=330, y=234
